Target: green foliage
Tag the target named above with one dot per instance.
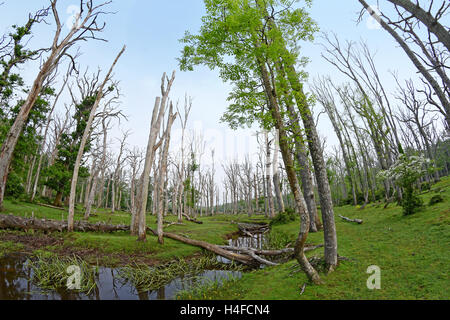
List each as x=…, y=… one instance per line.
x=405, y=173
x=283, y=217
x=277, y=239
x=50, y=272
x=425, y=186
x=15, y=187
x=435, y=200
x=146, y=278
x=59, y=175
x=235, y=37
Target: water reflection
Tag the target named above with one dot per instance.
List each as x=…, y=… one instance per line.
x=255, y=241
x=15, y=284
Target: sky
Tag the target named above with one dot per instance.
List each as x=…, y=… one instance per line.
x=151, y=29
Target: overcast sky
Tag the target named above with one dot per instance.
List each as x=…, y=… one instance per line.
x=151, y=30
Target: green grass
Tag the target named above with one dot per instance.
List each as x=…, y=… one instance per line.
x=120, y=248
x=52, y=273
x=6, y=247
x=412, y=252
x=145, y=278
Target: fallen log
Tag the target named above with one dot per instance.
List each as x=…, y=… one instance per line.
x=252, y=228
x=259, y=259
x=358, y=221
x=245, y=259
x=168, y=224
x=271, y=252
x=19, y=223
x=191, y=219
x=52, y=207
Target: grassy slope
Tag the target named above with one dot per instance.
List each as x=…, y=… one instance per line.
x=412, y=252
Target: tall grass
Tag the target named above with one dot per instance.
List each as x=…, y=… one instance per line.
x=50, y=273
x=205, y=289
x=146, y=278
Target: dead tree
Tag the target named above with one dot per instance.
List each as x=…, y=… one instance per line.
x=85, y=29
x=152, y=146
x=44, y=138
x=120, y=161
x=270, y=201
x=163, y=171
x=276, y=174
x=443, y=98
x=87, y=131
x=181, y=168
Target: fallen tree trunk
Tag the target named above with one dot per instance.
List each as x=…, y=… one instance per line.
x=49, y=206
x=358, y=221
x=168, y=224
x=191, y=219
x=270, y=252
x=19, y=223
x=252, y=228
x=247, y=260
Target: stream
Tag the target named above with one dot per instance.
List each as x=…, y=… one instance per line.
x=16, y=283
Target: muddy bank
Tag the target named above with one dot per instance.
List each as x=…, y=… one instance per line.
x=55, y=243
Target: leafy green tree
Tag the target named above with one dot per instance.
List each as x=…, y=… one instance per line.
x=59, y=175
x=255, y=45
x=405, y=173
x=13, y=54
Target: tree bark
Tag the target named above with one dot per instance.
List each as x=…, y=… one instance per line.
x=292, y=177
x=427, y=19
x=158, y=114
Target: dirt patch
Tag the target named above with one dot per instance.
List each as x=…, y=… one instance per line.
x=32, y=242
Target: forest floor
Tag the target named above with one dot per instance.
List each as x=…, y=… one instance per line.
x=412, y=252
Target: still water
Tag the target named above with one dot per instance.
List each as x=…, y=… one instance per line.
x=15, y=284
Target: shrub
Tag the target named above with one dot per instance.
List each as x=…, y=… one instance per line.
x=14, y=186
x=436, y=199
x=275, y=240
x=426, y=186
x=405, y=173
x=283, y=217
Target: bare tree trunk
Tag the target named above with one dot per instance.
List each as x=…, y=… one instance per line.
x=276, y=175
x=292, y=177
x=427, y=19
x=58, y=50
x=158, y=114
x=326, y=203
x=270, y=203
x=427, y=75
x=83, y=144
x=162, y=173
